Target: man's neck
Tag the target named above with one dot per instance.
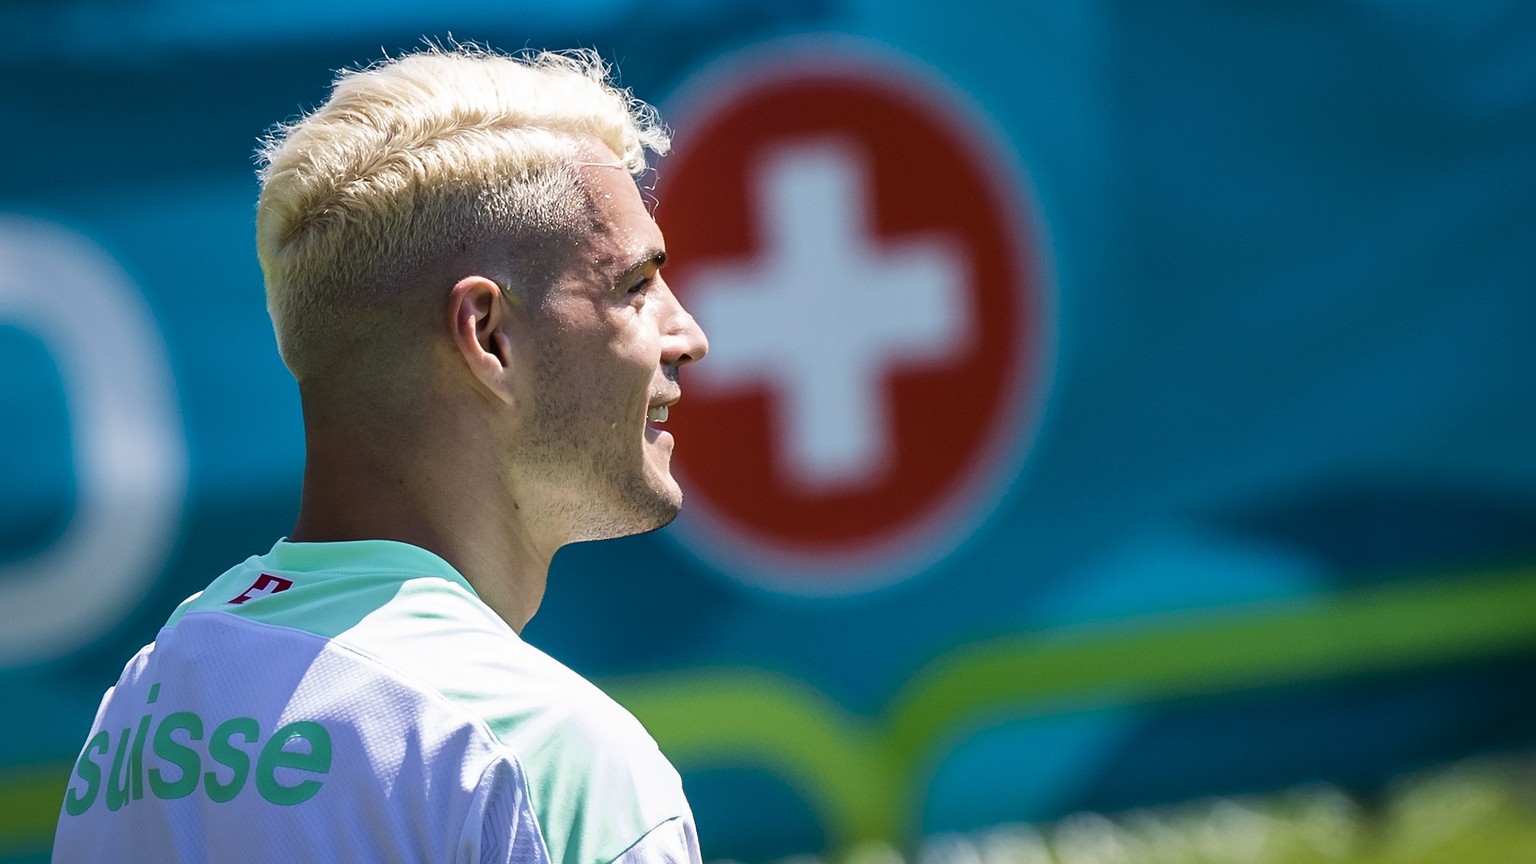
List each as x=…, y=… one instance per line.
x=461, y=512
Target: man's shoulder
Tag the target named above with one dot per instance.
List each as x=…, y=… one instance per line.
x=596, y=781
x=412, y=616
x=413, y=623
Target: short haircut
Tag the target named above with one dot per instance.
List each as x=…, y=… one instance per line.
x=415, y=158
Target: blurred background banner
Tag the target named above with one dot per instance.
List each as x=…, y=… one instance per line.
x=1113, y=408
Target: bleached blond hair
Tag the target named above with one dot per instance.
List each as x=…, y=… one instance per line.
x=419, y=157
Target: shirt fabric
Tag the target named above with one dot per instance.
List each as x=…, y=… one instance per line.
x=358, y=702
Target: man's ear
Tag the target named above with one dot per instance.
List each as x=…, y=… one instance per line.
x=478, y=313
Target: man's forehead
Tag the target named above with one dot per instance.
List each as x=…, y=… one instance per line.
x=620, y=224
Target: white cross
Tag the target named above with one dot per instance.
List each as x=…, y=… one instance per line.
x=827, y=312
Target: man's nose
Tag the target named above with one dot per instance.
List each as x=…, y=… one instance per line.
x=683, y=340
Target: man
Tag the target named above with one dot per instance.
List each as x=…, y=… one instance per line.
x=466, y=285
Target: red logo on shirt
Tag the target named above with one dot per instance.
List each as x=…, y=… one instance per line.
x=265, y=585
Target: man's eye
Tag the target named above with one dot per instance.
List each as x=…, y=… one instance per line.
x=642, y=285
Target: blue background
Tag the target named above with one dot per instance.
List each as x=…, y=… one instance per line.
x=1292, y=254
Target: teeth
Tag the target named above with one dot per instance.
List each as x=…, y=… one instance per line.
x=657, y=414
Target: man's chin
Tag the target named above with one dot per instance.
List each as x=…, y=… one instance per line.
x=668, y=503
x=651, y=507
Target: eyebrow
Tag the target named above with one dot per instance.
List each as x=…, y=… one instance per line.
x=655, y=257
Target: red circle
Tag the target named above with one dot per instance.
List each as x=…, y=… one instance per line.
x=928, y=175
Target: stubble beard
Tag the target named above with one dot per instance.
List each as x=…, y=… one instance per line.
x=621, y=501
x=617, y=498
x=600, y=485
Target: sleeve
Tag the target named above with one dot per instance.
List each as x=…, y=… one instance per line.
x=674, y=841
x=499, y=829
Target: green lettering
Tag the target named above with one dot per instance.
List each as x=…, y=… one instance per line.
x=273, y=757
x=87, y=769
x=136, y=761
x=117, y=782
x=230, y=756
x=177, y=754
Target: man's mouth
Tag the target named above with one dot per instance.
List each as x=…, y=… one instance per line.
x=660, y=406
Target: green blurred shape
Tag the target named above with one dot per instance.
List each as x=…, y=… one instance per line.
x=865, y=777
x=30, y=797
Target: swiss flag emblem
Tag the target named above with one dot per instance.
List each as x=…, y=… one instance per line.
x=855, y=245
x=265, y=585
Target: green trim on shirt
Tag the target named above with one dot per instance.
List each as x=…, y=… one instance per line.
x=348, y=581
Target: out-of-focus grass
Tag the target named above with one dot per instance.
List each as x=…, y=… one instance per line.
x=1480, y=811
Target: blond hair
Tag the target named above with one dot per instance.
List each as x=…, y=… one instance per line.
x=416, y=158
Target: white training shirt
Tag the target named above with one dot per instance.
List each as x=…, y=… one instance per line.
x=358, y=702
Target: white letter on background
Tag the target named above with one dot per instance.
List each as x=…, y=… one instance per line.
x=130, y=454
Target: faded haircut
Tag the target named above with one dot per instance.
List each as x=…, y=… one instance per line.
x=418, y=157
